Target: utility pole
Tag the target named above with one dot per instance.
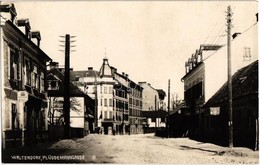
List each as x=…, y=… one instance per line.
x=168, y=123
x=66, y=104
x=157, y=114
x=96, y=106
x=230, y=122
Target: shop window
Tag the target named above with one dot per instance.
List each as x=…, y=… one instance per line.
x=154, y=120
x=163, y=119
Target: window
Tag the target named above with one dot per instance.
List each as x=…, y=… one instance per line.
x=100, y=102
x=106, y=115
x=105, y=102
x=247, y=54
x=42, y=82
x=163, y=119
x=100, y=89
x=105, y=90
x=111, y=115
x=34, y=77
x=153, y=119
x=110, y=90
x=27, y=73
x=110, y=102
x=130, y=100
x=14, y=65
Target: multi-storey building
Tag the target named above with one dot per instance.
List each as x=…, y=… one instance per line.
x=133, y=114
x=23, y=87
x=153, y=105
x=206, y=71
x=112, y=93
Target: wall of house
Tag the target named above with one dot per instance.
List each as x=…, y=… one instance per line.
x=216, y=64
x=25, y=121
x=150, y=97
x=158, y=122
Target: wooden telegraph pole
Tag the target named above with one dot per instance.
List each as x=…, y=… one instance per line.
x=168, y=127
x=66, y=104
x=230, y=122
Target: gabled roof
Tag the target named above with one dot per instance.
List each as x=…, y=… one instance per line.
x=74, y=90
x=74, y=75
x=244, y=82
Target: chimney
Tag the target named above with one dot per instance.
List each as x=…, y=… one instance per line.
x=54, y=65
x=123, y=73
x=90, y=68
x=186, y=67
x=126, y=75
x=26, y=24
x=256, y=17
x=190, y=64
x=9, y=8
x=37, y=35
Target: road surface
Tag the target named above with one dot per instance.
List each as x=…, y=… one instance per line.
x=141, y=149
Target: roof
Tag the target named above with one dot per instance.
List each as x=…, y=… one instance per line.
x=193, y=70
x=131, y=83
x=74, y=75
x=161, y=93
x=155, y=114
x=42, y=53
x=105, y=70
x=8, y=8
x=74, y=90
x=244, y=82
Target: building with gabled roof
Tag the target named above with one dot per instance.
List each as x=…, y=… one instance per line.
x=81, y=106
x=23, y=86
x=245, y=110
x=119, y=99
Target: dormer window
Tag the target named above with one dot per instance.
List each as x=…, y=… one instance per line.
x=53, y=85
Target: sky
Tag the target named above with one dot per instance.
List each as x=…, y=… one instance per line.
x=149, y=40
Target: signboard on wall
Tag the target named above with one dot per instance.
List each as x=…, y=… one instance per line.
x=214, y=111
x=22, y=96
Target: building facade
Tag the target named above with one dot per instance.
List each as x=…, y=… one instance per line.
x=245, y=104
x=23, y=85
x=153, y=105
x=81, y=106
x=118, y=99
x=206, y=72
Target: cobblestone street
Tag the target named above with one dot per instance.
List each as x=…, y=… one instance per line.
x=140, y=149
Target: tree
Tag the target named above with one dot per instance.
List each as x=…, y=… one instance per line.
x=56, y=109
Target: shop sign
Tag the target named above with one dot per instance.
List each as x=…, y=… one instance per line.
x=22, y=96
x=214, y=111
